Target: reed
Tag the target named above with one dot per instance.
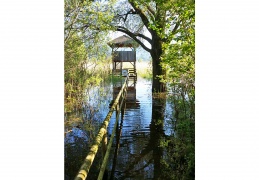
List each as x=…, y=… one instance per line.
x=144, y=69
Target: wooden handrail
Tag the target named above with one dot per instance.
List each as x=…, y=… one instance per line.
x=84, y=169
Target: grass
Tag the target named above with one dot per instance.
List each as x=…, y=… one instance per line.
x=144, y=68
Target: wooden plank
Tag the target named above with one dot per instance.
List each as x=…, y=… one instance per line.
x=124, y=56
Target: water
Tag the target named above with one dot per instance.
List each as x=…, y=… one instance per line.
x=139, y=153
x=135, y=136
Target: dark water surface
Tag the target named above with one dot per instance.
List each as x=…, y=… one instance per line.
x=138, y=154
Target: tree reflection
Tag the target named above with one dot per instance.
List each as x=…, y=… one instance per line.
x=157, y=133
x=179, y=161
x=165, y=156
x=148, y=161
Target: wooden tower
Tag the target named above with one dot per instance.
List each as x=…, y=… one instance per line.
x=120, y=56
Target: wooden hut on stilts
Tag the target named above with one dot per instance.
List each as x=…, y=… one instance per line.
x=120, y=56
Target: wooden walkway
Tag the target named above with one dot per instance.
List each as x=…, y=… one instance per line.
x=101, y=138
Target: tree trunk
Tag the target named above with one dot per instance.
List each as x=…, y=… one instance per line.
x=156, y=53
x=157, y=134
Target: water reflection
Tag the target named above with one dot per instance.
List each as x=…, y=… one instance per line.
x=145, y=124
x=140, y=153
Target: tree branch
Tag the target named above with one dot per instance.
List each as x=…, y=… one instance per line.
x=176, y=27
x=142, y=15
x=126, y=15
x=137, y=34
x=133, y=36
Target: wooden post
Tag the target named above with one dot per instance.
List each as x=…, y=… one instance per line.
x=104, y=149
x=113, y=65
x=104, y=143
x=118, y=135
x=121, y=67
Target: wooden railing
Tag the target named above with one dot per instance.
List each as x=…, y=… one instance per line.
x=132, y=70
x=101, y=137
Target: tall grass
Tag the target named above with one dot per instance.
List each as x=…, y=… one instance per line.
x=144, y=68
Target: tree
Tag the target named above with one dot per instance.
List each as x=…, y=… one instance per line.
x=179, y=57
x=157, y=18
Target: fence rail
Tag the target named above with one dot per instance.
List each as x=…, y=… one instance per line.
x=102, y=136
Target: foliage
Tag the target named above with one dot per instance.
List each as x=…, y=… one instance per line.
x=179, y=161
x=139, y=18
x=89, y=18
x=179, y=55
x=86, y=25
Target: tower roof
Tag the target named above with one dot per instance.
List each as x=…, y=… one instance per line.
x=123, y=41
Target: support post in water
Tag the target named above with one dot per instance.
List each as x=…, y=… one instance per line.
x=104, y=149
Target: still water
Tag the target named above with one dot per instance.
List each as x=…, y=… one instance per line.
x=138, y=154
